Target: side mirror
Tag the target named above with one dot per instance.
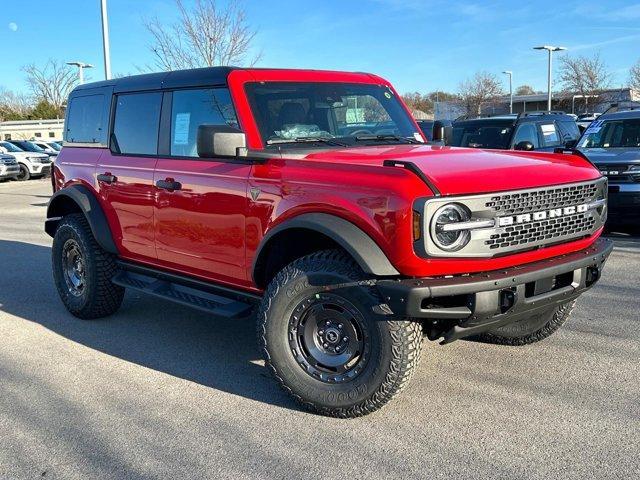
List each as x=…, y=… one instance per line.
x=525, y=145
x=438, y=132
x=220, y=141
x=571, y=144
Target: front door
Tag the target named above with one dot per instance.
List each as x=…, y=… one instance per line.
x=125, y=173
x=201, y=203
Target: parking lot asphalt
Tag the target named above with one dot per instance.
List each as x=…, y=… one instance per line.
x=160, y=391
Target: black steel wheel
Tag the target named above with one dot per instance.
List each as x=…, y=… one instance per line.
x=325, y=346
x=82, y=270
x=328, y=338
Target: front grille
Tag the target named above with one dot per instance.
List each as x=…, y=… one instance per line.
x=543, y=199
x=522, y=219
x=551, y=230
x=620, y=173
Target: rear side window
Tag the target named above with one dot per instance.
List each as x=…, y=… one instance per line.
x=192, y=108
x=550, y=135
x=569, y=130
x=135, y=126
x=85, y=120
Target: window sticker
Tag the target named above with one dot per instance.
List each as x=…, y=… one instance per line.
x=594, y=127
x=181, y=129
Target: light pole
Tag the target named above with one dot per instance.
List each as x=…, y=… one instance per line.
x=81, y=66
x=550, y=49
x=105, y=39
x=510, y=73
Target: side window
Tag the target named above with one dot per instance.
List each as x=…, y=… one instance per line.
x=85, y=122
x=526, y=133
x=135, y=127
x=569, y=131
x=192, y=108
x=550, y=135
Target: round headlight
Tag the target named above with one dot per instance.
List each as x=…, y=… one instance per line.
x=450, y=240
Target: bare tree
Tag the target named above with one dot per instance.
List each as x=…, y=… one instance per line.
x=583, y=75
x=481, y=88
x=525, y=90
x=634, y=80
x=205, y=35
x=418, y=102
x=14, y=106
x=51, y=82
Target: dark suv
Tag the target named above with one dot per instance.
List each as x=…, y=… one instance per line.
x=612, y=143
x=541, y=131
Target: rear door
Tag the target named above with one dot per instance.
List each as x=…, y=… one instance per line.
x=125, y=172
x=200, y=203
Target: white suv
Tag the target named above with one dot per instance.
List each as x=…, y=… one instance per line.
x=9, y=168
x=30, y=164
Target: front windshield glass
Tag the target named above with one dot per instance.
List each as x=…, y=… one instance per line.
x=10, y=147
x=32, y=147
x=343, y=112
x=491, y=134
x=55, y=146
x=612, y=134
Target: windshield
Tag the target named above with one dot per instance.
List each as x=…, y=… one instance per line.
x=612, y=134
x=31, y=147
x=482, y=135
x=10, y=147
x=292, y=112
x=55, y=146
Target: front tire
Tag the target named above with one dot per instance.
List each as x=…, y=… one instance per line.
x=24, y=174
x=326, y=347
x=82, y=270
x=530, y=330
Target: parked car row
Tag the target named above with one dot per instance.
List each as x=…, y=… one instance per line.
x=23, y=159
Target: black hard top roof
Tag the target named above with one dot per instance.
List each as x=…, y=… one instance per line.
x=154, y=81
x=621, y=115
x=514, y=118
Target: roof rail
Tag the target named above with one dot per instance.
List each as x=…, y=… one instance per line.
x=483, y=115
x=539, y=113
x=622, y=107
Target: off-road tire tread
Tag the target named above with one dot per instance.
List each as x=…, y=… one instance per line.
x=108, y=296
x=560, y=316
x=406, y=335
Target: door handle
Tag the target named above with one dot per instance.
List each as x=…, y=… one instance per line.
x=169, y=184
x=107, y=178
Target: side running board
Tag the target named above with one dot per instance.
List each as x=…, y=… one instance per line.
x=191, y=293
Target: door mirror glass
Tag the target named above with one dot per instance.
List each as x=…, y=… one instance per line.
x=438, y=132
x=220, y=141
x=525, y=145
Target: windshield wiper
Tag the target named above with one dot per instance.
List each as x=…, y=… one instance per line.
x=382, y=138
x=328, y=141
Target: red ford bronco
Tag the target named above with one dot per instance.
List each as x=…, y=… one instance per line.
x=311, y=195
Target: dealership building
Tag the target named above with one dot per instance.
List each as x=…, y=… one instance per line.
x=32, y=130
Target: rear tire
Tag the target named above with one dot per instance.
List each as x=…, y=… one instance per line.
x=530, y=330
x=82, y=270
x=327, y=348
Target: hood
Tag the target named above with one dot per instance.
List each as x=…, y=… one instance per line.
x=459, y=171
x=612, y=155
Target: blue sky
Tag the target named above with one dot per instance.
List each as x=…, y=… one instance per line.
x=417, y=45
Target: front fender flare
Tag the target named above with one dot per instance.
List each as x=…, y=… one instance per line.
x=88, y=204
x=356, y=242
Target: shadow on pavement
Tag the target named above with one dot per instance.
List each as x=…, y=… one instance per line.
x=213, y=352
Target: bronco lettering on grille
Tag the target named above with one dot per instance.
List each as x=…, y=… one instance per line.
x=542, y=215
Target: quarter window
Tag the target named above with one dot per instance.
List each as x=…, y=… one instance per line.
x=135, y=128
x=192, y=108
x=85, y=120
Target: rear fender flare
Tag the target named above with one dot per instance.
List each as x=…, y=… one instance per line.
x=89, y=205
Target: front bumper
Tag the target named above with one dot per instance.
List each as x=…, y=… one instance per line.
x=479, y=302
x=9, y=172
